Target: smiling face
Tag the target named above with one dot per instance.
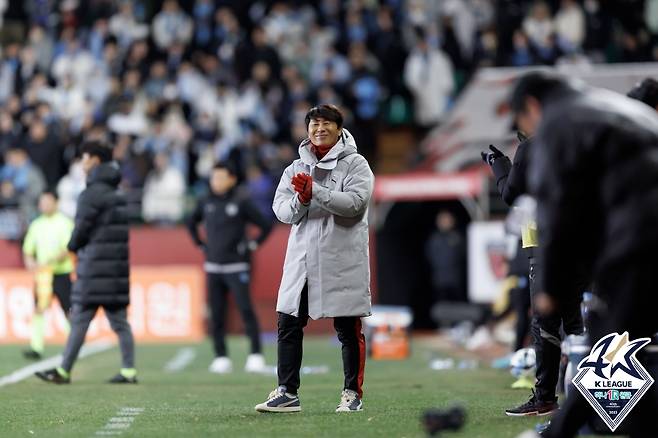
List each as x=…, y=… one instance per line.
x=323, y=132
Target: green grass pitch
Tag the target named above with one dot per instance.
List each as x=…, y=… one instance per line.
x=196, y=403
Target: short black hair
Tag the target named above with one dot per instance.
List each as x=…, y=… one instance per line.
x=327, y=112
x=537, y=84
x=228, y=166
x=646, y=91
x=50, y=193
x=97, y=148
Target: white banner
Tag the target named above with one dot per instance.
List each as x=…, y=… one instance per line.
x=487, y=247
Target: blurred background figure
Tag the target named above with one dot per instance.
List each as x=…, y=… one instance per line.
x=23, y=179
x=428, y=74
x=46, y=256
x=164, y=190
x=446, y=253
x=70, y=187
x=227, y=248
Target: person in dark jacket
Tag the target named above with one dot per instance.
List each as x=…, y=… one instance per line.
x=594, y=172
x=446, y=254
x=100, y=240
x=225, y=215
x=545, y=330
x=46, y=151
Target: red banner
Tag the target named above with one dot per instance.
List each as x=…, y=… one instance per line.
x=166, y=304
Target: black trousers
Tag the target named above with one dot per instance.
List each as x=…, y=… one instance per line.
x=628, y=302
x=62, y=290
x=546, y=334
x=521, y=304
x=290, y=348
x=218, y=287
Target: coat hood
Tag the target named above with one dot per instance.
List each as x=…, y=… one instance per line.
x=346, y=145
x=107, y=173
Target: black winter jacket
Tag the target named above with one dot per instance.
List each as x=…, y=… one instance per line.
x=511, y=175
x=225, y=219
x=100, y=239
x=594, y=172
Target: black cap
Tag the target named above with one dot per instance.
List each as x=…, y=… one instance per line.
x=646, y=91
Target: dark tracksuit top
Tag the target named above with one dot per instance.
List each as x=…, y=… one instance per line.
x=225, y=218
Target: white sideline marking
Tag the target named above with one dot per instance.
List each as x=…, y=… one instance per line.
x=52, y=362
x=183, y=358
x=120, y=423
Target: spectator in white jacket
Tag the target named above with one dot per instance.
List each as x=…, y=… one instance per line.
x=171, y=25
x=124, y=25
x=538, y=25
x=428, y=75
x=75, y=63
x=570, y=25
x=164, y=192
x=70, y=187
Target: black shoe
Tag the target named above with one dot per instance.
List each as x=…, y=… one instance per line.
x=31, y=354
x=52, y=376
x=120, y=378
x=280, y=400
x=534, y=406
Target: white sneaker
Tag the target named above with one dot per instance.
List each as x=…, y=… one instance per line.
x=349, y=402
x=221, y=365
x=255, y=363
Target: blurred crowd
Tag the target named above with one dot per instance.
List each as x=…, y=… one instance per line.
x=175, y=86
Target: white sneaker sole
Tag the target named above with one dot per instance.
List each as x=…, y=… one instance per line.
x=263, y=408
x=532, y=414
x=525, y=414
x=346, y=409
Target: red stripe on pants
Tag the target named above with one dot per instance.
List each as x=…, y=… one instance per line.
x=362, y=355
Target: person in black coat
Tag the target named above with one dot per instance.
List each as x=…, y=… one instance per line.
x=100, y=240
x=227, y=247
x=594, y=172
x=545, y=330
x=446, y=253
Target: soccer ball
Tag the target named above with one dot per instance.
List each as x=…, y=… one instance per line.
x=523, y=363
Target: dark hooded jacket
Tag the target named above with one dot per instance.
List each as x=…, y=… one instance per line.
x=594, y=172
x=100, y=239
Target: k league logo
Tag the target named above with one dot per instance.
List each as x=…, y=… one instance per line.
x=611, y=378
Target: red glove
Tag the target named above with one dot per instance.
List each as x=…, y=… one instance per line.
x=303, y=185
